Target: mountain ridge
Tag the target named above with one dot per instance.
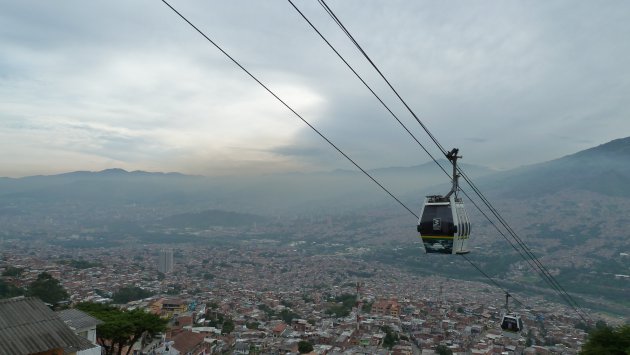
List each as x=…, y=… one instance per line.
x=600, y=169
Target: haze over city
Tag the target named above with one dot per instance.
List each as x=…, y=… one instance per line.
x=210, y=177
x=102, y=84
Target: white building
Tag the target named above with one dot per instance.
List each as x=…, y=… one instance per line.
x=165, y=261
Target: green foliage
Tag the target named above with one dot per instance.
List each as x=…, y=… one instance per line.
x=607, y=340
x=268, y=311
x=130, y=293
x=343, y=306
x=443, y=350
x=160, y=276
x=583, y=326
x=363, y=274
x=304, y=347
x=13, y=271
x=174, y=290
x=7, y=290
x=208, y=276
x=211, y=218
x=288, y=316
x=252, y=325
x=122, y=328
x=600, y=324
x=391, y=338
x=79, y=264
x=228, y=327
x=48, y=289
x=307, y=298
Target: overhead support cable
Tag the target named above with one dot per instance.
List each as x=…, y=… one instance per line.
x=366, y=85
x=398, y=120
x=289, y=107
x=537, y=266
x=367, y=57
x=313, y=128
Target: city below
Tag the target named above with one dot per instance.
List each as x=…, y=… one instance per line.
x=275, y=296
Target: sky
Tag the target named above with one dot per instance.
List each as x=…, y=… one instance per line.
x=92, y=85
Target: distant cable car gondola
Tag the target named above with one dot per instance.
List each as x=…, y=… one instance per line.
x=443, y=225
x=511, y=323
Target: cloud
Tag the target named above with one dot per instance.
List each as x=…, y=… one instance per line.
x=104, y=84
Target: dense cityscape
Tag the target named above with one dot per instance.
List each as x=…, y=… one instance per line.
x=275, y=296
x=269, y=178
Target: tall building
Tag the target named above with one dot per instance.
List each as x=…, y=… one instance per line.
x=165, y=261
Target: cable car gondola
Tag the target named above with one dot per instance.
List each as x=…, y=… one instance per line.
x=443, y=224
x=511, y=323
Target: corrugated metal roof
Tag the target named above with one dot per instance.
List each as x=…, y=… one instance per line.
x=28, y=326
x=77, y=319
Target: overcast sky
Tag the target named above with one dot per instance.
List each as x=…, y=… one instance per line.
x=91, y=85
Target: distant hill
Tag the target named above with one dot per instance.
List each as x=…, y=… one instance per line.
x=145, y=196
x=604, y=169
x=107, y=187
x=211, y=218
x=139, y=195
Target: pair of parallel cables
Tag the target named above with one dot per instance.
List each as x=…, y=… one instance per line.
x=531, y=259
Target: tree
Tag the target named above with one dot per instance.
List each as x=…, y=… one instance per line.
x=443, y=350
x=13, y=271
x=390, y=338
x=228, y=327
x=607, y=340
x=253, y=349
x=122, y=328
x=252, y=325
x=288, y=316
x=304, y=347
x=132, y=293
x=48, y=289
x=7, y=290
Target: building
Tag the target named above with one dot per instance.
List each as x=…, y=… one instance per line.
x=172, y=307
x=386, y=307
x=28, y=326
x=166, y=307
x=165, y=261
x=81, y=323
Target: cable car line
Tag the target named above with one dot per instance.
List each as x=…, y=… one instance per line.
x=385, y=105
x=311, y=126
x=289, y=107
x=490, y=278
x=547, y=277
x=338, y=22
x=358, y=46
x=388, y=109
x=366, y=85
x=303, y=119
x=544, y=271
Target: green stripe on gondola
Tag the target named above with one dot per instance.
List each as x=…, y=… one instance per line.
x=436, y=237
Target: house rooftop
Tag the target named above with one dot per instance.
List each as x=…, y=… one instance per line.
x=28, y=326
x=77, y=319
